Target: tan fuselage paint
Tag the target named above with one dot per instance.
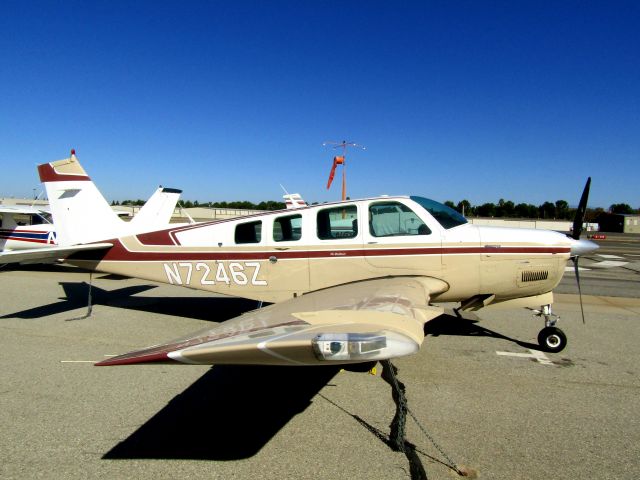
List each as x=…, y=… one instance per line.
x=505, y=263
x=466, y=274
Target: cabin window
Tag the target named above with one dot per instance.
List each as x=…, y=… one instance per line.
x=447, y=217
x=250, y=232
x=390, y=219
x=337, y=223
x=287, y=229
x=37, y=220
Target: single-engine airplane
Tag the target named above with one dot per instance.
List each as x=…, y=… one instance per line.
x=95, y=220
x=293, y=201
x=23, y=226
x=351, y=282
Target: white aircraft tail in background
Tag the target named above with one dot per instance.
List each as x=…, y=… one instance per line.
x=294, y=200
x=157, y=211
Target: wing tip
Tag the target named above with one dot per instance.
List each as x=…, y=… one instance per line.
x=136, y=358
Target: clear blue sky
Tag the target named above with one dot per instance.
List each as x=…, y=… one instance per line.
x=227, y=100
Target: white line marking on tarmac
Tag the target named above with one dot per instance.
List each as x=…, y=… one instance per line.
x=609, y=256
x=571, y=269
x=608, y=264
x=85, y=361
x=536, y=355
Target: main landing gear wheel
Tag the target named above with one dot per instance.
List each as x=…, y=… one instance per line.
x=552, y=339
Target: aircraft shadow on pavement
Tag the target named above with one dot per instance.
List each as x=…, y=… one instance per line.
x=230, y=413
x=447, y=324
x=215, y=309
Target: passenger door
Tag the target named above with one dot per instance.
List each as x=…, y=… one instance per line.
x=399, y=241
x=287, y=269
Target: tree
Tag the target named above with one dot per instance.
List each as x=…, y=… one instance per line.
x=486, y=210
x=620, y=208
x=547, y=211
x=450, y=204
x=562, y=209
x=464, y=207
x=526, y=210
x=505, y=208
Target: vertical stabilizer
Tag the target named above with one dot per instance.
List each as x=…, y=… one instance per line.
x=158, y=209
x=294, y=200
x=82, y=215
x=80, y=212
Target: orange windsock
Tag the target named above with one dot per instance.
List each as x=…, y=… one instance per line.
x=336, y=161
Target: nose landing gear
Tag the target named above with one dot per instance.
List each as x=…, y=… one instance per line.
x=551, y=338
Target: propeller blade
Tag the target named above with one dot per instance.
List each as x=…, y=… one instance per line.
x=577, y=270
x=582, y=208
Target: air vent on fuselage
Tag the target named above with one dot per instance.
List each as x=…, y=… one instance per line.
x=535, y=276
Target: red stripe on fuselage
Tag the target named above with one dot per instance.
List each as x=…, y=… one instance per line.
x=120, y=253
x=160, y=238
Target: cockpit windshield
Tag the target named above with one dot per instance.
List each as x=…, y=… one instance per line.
x=447, y=217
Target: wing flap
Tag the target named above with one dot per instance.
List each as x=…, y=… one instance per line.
x=360, y=322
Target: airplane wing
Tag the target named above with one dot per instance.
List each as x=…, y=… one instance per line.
x=40, y=255
x=19, y=209
x=357, y=322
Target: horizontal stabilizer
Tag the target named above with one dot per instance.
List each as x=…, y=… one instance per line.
x=41, y=255
x=20, y=210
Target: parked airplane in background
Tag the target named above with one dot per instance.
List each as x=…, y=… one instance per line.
x=22, y=227
x=97, y=219
x=294, y=200
x=352, y=281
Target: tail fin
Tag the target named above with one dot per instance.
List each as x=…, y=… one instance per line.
x=80, y=212
x=82, y=215
x=158, y=209
x=294, y=200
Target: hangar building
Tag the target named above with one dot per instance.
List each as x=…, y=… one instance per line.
x=619, y=222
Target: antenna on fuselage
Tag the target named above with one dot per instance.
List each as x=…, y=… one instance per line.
x=341, y=160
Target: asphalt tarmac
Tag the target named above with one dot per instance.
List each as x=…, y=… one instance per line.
x=491, y=401
x=612, y=270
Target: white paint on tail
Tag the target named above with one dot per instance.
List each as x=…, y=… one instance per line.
x=82, y=215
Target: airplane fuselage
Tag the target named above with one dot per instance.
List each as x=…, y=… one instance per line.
x=27, y=237
x=275, y=256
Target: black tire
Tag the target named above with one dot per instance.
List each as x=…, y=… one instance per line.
x=552, y=339
x=359, y=367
